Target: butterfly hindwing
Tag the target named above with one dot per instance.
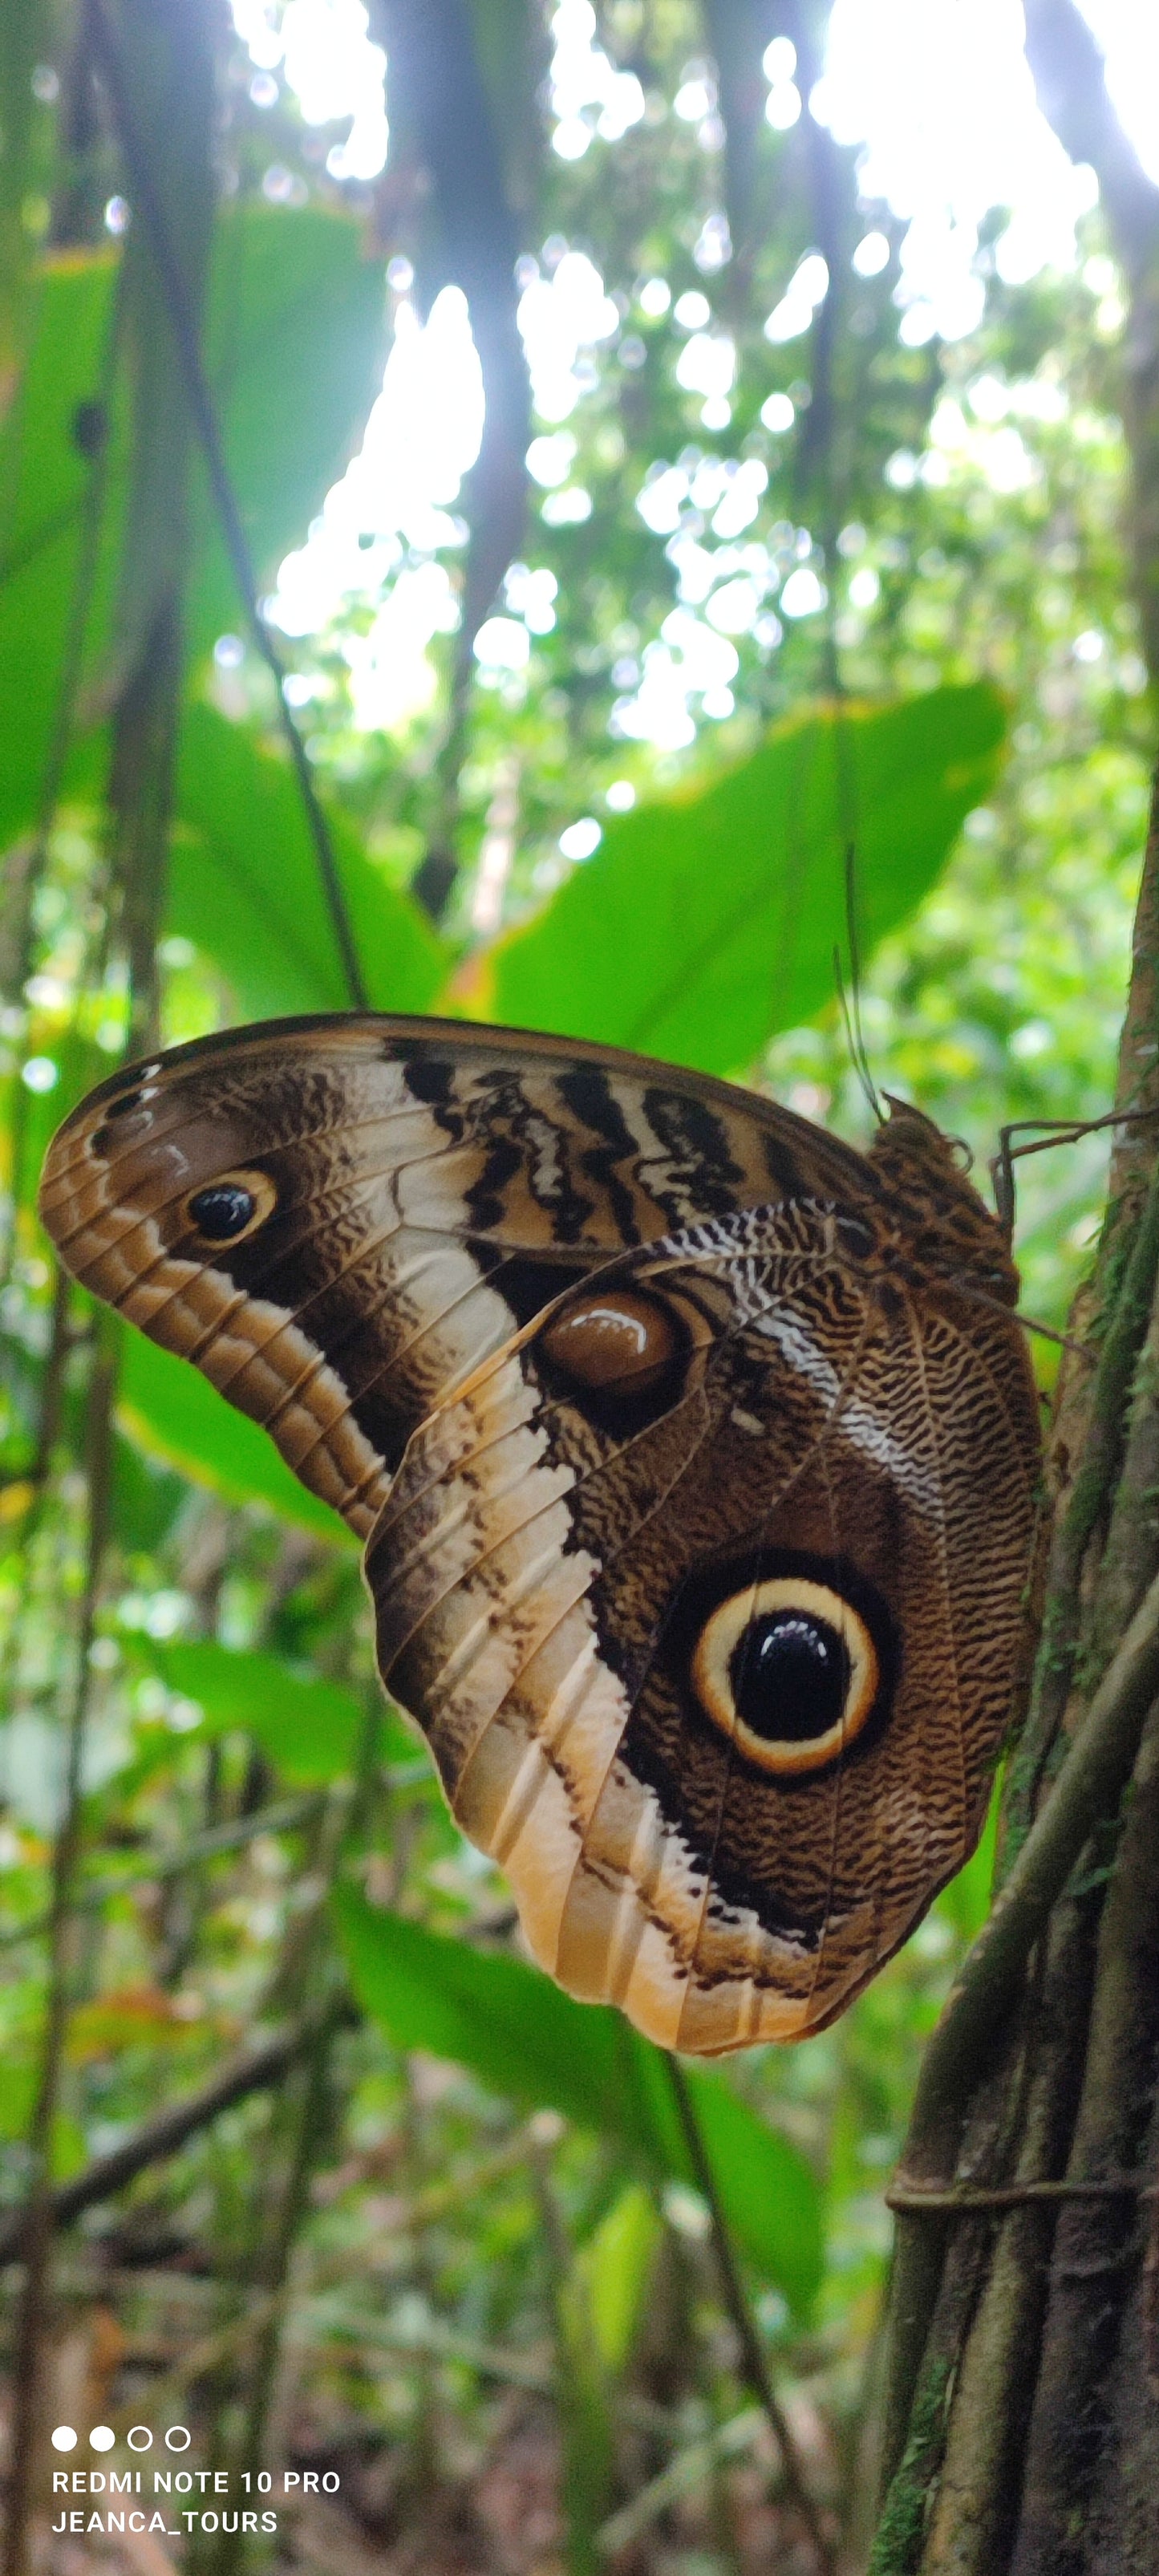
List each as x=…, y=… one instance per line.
x=695, y=1453
x=578, y=1611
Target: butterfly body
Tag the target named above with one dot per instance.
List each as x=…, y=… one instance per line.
x=694, y=1452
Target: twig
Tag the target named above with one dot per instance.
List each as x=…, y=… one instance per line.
x=283, y=1817
x=321, y=2318
x=690, y=2469
x=200, y=400
x=431, y=2338
x=88, y=1899
x=199, y=2358
x=756, y=2368
x=252, y=2071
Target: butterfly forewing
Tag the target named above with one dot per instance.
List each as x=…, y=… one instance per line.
x=418, y=1191
x=695, y=1453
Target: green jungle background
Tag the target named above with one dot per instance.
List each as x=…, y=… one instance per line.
x=300, y=2150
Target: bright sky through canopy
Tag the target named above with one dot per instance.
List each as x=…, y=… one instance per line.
x=938, y=96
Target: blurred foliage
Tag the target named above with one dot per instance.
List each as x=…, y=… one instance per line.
x=484, y=2219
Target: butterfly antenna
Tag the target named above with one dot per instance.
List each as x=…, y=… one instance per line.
x=856, y=978
x=853, y=1038
x=850, y=1000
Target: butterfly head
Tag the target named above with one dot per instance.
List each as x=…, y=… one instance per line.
x=940, y=1213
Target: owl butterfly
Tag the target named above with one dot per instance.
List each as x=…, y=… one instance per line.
x=694, y=1453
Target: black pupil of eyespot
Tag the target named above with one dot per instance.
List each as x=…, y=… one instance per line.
x=790, y=1675
x=222, y=1211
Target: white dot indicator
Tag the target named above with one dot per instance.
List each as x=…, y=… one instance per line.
x=64, y=2438
x=102, y=2437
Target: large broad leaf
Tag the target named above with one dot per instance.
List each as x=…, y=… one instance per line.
x=245, y=887
x=174, y=1414
x=708, y=921
x=43, y=478
x=522, y=2037
x=296, y=344
x=295, y=347
x=311, y=1729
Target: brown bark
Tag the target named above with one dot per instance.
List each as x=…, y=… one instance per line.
x=1011, y=2386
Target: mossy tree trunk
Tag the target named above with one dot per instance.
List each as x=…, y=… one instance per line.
x=1023, y=2387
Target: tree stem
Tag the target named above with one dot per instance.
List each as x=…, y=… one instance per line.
x=755, y=2363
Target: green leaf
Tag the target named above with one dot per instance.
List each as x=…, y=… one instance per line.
x=43, y=476
x=17, y=2101
x=521, y=2036
x=311, y=1729
x=616, y=2265
x=295, y=349
x=173, y=1413
x=27, y=36
x=720, y=909
x=296, y=344
x=245, y=887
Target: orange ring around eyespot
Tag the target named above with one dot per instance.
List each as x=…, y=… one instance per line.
x=257, y=1186
x=787, y=1757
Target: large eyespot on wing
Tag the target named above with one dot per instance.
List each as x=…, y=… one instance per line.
x=789, y=1670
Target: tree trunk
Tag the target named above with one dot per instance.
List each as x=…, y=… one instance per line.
x=1072, y=93
x=1023, y=2405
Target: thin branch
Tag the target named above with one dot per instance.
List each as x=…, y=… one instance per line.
x=186, y=339
x=755, y=2362
x=689, y=2469
x=281, y=1818
x=254, y=2070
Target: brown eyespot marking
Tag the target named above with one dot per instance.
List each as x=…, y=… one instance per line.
x=612, y=1338
x=227, y=1210
x=789, y=1670
x=618, y=1353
